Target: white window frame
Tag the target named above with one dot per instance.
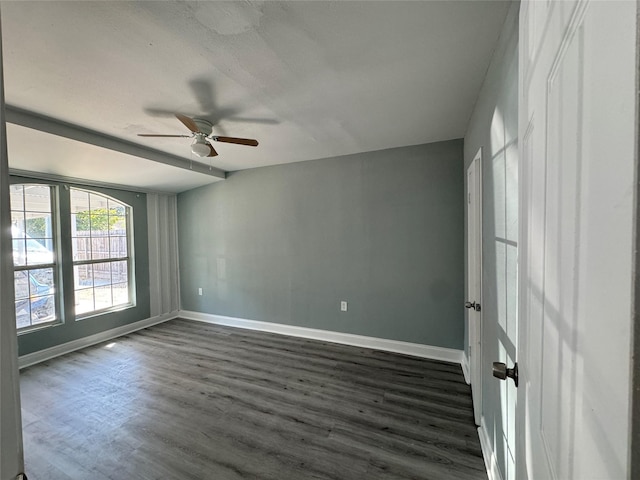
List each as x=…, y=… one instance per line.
x=54, y=265
x=129, y=258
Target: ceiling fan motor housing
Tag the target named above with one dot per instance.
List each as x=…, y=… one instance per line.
x=204, y=126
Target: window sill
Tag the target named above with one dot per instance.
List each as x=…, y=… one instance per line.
x=41, y=326
x=104, y=311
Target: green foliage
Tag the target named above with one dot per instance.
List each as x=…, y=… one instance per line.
x=37, y=227
x=96, y=219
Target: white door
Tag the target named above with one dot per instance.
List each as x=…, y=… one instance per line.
x=577, y=135
x=474, y=280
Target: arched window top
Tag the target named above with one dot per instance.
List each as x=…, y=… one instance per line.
x=85, y=203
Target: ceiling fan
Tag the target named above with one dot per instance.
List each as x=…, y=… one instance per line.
x=201, y=133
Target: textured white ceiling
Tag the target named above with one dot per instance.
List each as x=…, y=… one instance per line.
x=307, y=79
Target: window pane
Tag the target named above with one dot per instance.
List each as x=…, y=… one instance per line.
x=43, y=309
x=99, y=224
x=82, y=276
x=41, y=281
x=41, y=289
x=23, y=313
x=119, y=272
x=120, y=293
x=17, y=198
x=81, y=248
x=116, y=208
x=38, y=225
x=100, y=248
x=84, y=301
x=103, y=297
x=79, y=201
x=19, y=253
x=80, y=223
x=35, y=300
x=117, y=225
x=17, y=223
x=101, y=274
x=118, y=247
x=98, y=202
x=21, y=284
x=37, y=253
x=37, y=198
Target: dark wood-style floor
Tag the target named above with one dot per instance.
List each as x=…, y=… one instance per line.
x=188, y=400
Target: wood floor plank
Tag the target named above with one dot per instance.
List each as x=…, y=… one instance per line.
x=188, y=400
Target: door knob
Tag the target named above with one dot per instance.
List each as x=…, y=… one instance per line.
x=473, y=305
x=501, y=371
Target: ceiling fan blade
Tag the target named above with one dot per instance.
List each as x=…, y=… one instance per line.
x=204, y=91
x=239, y=141
x=154, y=135
x=188, y=122
x=264, y=121
x=213, y=152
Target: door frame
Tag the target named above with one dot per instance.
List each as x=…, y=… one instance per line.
x=11, y=453
x=474, y=269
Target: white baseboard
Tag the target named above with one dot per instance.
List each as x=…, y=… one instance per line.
x=490, y=460
x=49, y=353
x=465, y=368
x=407, y=348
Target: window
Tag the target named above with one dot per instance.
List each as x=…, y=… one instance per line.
x=72, y=253
x=101, y=245
x=34, y=258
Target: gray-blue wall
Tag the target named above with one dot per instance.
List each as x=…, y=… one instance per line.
x=382, y=230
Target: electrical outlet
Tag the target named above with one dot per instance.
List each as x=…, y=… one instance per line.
x=200, y=291
x=343, y=306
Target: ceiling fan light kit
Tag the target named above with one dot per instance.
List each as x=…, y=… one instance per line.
x=201, y=132
x=200, y=147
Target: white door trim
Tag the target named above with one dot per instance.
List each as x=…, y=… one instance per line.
x=474, y=287
x=11, y=453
